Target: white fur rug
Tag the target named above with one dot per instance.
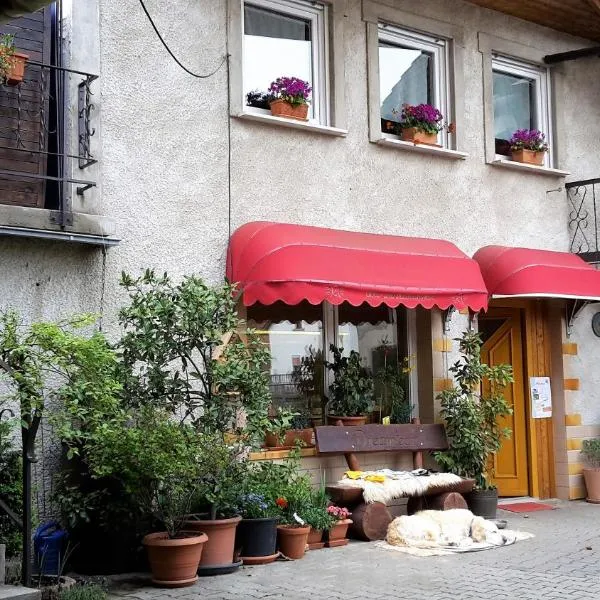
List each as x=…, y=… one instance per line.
x=398, y=484
x=435, y=533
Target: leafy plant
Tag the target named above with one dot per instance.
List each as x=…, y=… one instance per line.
x=590, y=449
x=83, y=592
x=472, y=411
x=528, y=139
x=178, y=352
x=11, y=487
x=316, y=514
x=351, y=392
x=278, y=424
x=392, y=382
x=309, y=378
x=301, y=420
x=259, y=99
x=7, y=49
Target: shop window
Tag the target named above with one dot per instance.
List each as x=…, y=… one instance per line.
x=521, y=100
x=286, y=38
x=380, y=337
x=294, y=335
x=412, y=70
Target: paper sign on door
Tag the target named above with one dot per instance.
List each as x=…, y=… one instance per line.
x=541, y=397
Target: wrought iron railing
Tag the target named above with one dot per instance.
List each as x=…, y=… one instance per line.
x=46, y=136
x=584, y=218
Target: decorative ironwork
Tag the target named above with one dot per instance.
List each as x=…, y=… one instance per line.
x=584, y=218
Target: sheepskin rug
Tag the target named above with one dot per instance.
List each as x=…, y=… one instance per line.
x=398, y=484
x=433, y=532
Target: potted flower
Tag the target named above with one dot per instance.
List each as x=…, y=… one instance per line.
x=258, y=99
x=591, y=475
x=351, y=393
x=289, y=98
x=292, y=532
x=528, y=146
x=472, y=422
x=12, y=63
x=420, y=124
x=336, y=536
x=319, y=519
x=300, y=432
x=214, y=509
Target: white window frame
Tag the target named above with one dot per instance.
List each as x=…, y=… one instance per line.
x=318, y=15
x=437, y=46
x=543, y=106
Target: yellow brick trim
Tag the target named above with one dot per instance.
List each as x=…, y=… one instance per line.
x=442, y=345
x=279, y=454
x=573, y=420
x=577, y=492
x=574, y=444
x=575, y=468
x=440, y=384
x=570, y=348
x=571, y=384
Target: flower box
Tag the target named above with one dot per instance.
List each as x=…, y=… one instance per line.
x=337, y=534
x=315, y=539
x=530, y=157
x=414, y=135
x=287, y=110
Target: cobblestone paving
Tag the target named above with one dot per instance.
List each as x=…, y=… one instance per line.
x=562, y=561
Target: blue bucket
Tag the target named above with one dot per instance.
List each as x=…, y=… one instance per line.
x=48, y=544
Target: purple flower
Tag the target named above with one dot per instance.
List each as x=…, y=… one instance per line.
x=423, y=117
x=528, y=139
x=291, y=89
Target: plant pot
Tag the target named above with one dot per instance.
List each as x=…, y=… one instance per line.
x=17, y=71
x=281, y=108
x=219, y=549
x=592, y=484
x=347, y=421
x=256, y=538
x=292, y=540
x=315, y=539
x=304, y=436
x=483, y=503
x=530, y=157
x=273, y=440
x=339, y=530
x=414, y=135
x=174, y=562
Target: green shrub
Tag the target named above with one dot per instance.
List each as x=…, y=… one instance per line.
x=591, y=452
x=83, y=592
x=11, y=490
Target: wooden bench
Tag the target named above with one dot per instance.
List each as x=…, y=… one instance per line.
x=371, y=520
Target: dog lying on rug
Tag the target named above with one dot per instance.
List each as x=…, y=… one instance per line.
x=457, y=527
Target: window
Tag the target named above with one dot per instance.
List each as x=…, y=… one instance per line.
x=521, y=100
x=286, y=38
x=412, y=70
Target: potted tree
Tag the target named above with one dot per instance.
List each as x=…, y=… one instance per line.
x=420, y=124
x=289, y=98
x=591, y=475
x=528, y=146
x=471, y=412
x=351, y=393
x=12, y=63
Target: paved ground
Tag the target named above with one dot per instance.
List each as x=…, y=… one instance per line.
x=562, y=561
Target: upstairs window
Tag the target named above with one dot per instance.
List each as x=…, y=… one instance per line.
x=521, y=101
x=412, y=70
x=286, y=38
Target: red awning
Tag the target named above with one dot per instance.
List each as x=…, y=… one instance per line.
x=291, y=263
x=537, y=273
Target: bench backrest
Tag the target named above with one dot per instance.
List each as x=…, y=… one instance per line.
x=380, y=438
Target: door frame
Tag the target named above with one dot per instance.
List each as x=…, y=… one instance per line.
x=537, y=362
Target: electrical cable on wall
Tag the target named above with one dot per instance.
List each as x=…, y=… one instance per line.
x=206, y=76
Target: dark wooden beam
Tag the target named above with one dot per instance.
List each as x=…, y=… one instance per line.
x=552, y=59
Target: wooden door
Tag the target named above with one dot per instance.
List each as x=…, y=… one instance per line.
x=501, y=330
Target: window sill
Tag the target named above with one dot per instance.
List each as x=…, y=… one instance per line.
x=292, y=124
x=421, y=148
x=279, y=454
x=517, y=166
x=58, y=236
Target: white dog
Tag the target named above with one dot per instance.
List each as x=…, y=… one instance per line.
x=434, y=528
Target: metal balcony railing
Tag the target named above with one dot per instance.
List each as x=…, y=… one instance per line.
x=584, y=218
x=45, y=138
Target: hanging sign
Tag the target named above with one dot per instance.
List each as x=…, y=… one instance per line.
x=541, y=397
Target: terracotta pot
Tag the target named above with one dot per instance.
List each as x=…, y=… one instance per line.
x=412, y=134
x=273, y=441
x=305, y=436
x=314, y=536
x=592, y=484
x=174, y=562
x=281, y=108
x=219, y=548
x=347, y=421
x=292, y=540
x=17, y=71
x=339, y=530
x=530, y=157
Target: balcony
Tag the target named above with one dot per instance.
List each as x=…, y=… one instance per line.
x=584, y=218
